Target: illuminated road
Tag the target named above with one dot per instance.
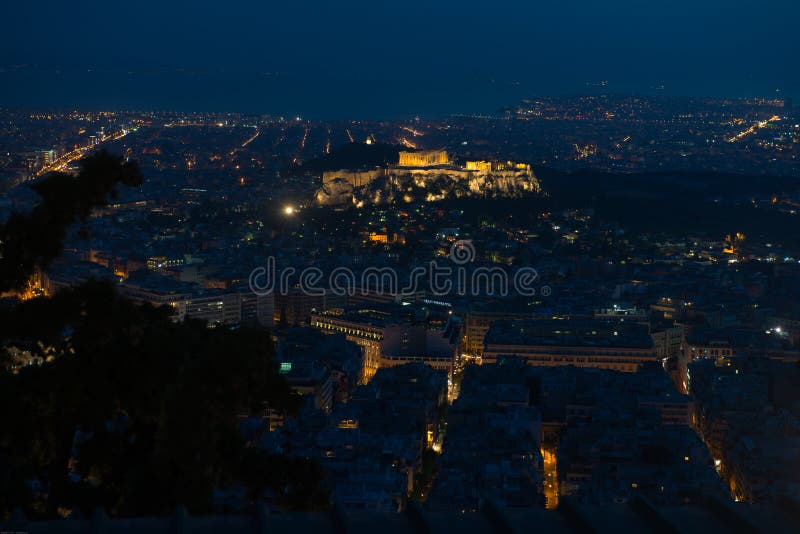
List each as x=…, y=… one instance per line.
x=305, y=138
x=251, y=138
x=412, y=131
x=328, y=142
x=550, y=479
x=753, y=129
x=301, y=146
x=64, y=160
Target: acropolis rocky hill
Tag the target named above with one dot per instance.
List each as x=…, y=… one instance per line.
x=425, y=175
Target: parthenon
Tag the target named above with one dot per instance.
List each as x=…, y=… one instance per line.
x=424, y=158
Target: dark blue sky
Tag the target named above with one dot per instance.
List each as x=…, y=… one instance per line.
x=358, y=58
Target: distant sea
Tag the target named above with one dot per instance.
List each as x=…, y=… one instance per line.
x=314, y=98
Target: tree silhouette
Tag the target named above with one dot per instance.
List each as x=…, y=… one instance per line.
x=130, y=410
x=28, y=240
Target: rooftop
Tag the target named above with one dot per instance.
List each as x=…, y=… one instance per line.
x=569, y=333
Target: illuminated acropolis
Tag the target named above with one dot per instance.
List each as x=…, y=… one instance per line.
x=497, y=166
x=424, y=166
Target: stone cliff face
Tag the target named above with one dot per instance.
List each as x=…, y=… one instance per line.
x=401, y=185
x=337, y=191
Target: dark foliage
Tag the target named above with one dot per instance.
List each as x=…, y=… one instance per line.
x=154, y=404
x=36, y=238
x=130, y=410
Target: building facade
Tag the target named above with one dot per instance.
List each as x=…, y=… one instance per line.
x=596, y=344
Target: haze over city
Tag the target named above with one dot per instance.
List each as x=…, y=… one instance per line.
x=360, y=59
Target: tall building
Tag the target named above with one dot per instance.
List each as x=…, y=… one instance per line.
x=365, y=329
x=388, y=337
x=479, y=319
x=294, y=308
x=48, y=156
x=311, y=380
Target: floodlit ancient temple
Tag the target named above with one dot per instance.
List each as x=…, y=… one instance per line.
x=424, y=158
x=419, y=168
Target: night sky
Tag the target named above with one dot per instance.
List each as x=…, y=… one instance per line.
x=368, y=59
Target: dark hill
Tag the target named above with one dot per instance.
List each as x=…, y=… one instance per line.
x=590, y=184
x=679, y=202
